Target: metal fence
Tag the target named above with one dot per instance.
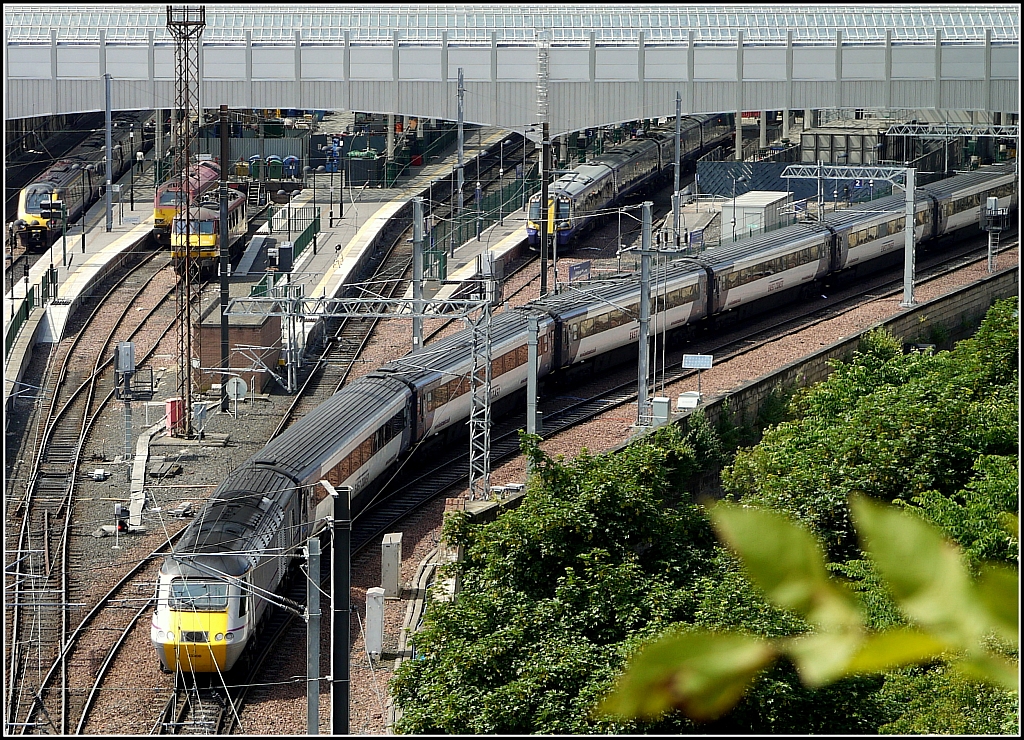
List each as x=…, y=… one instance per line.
x=18, y=320
x=477, y=216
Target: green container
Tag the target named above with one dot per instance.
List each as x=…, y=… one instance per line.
x=275, y=169
x=391, y=172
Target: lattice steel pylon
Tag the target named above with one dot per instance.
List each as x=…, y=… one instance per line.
x=186, y=24
x=480, y=408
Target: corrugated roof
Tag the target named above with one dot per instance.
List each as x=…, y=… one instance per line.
x=521, y=24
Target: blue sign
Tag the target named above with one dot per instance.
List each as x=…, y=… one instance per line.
x=697, y=238
x=579, y=271
x=858, y=183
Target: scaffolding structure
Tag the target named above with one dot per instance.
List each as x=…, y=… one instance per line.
x=186, y=24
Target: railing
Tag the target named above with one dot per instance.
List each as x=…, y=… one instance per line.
x=455, y=231
x=308, y=235
x=18, y=321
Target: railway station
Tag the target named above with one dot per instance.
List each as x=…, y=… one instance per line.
x=260, y=261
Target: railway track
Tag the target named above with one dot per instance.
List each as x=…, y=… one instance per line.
x=42, y=589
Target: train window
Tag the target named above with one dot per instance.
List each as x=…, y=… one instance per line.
x=587, y=327
x=202, y=596
x=921, y=218
x=603, y=322
x=441, y=396
x=535, y=210
x=242, y=602
x=575, y=331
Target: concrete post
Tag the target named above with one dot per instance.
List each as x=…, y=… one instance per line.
x=417, y=274
x=908, y=232
x=110, y=159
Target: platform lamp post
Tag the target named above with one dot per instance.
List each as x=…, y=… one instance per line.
x=89, y=170
x=501, y=196
x=131, y=148
x=735, y=180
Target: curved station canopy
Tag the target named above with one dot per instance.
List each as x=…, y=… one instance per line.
x=598, y=64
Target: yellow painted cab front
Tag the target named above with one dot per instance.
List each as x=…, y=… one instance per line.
x=196, y=634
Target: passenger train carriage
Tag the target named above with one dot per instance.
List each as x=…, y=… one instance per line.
x=576, y=199
x=212, y=590
x=169, y=198
x=78, y=180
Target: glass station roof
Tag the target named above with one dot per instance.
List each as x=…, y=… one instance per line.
x=519, y=24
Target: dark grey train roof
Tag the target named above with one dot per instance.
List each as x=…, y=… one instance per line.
x=896, y=204
x=445, y=354
x=575, y=300
x=788, y=236
x=300, y=448
x=968, y=179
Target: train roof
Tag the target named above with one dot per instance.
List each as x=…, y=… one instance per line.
x=350, y=411
x=59, y=175
x=623, y=152
x=210, y=207
x=575, y=298
x=796, y=237
x=581, y=178
x=450, y=352
x=968, y=180
x=232, y=527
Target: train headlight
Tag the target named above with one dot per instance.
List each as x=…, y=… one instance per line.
x=231, y=637
x=219, y=637
x=170, y=636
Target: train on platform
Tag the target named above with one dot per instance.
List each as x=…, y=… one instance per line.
x=79, y=180
x=201, y=231
x=579, y=199
x=216, y=586
x=169, y=197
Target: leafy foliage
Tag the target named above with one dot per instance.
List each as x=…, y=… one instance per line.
x=706, y=672
x=608, y=563
x=912, y=427
x=938, y=701
x=938, y=435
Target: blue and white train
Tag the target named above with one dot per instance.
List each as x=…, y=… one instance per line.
x=576, y=199
x=212, y=590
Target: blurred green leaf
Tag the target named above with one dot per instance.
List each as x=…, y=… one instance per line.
x=992, y=669
x=703, y=673
x=787, y=563
x=997, y=590
x=923, y=570
x=823, y=657
x=896, y=647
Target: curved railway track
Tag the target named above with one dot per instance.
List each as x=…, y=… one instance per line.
x=43, y=590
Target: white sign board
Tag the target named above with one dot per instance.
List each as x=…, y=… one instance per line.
x=698, y=362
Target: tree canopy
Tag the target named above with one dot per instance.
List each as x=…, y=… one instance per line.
x=609, y=553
